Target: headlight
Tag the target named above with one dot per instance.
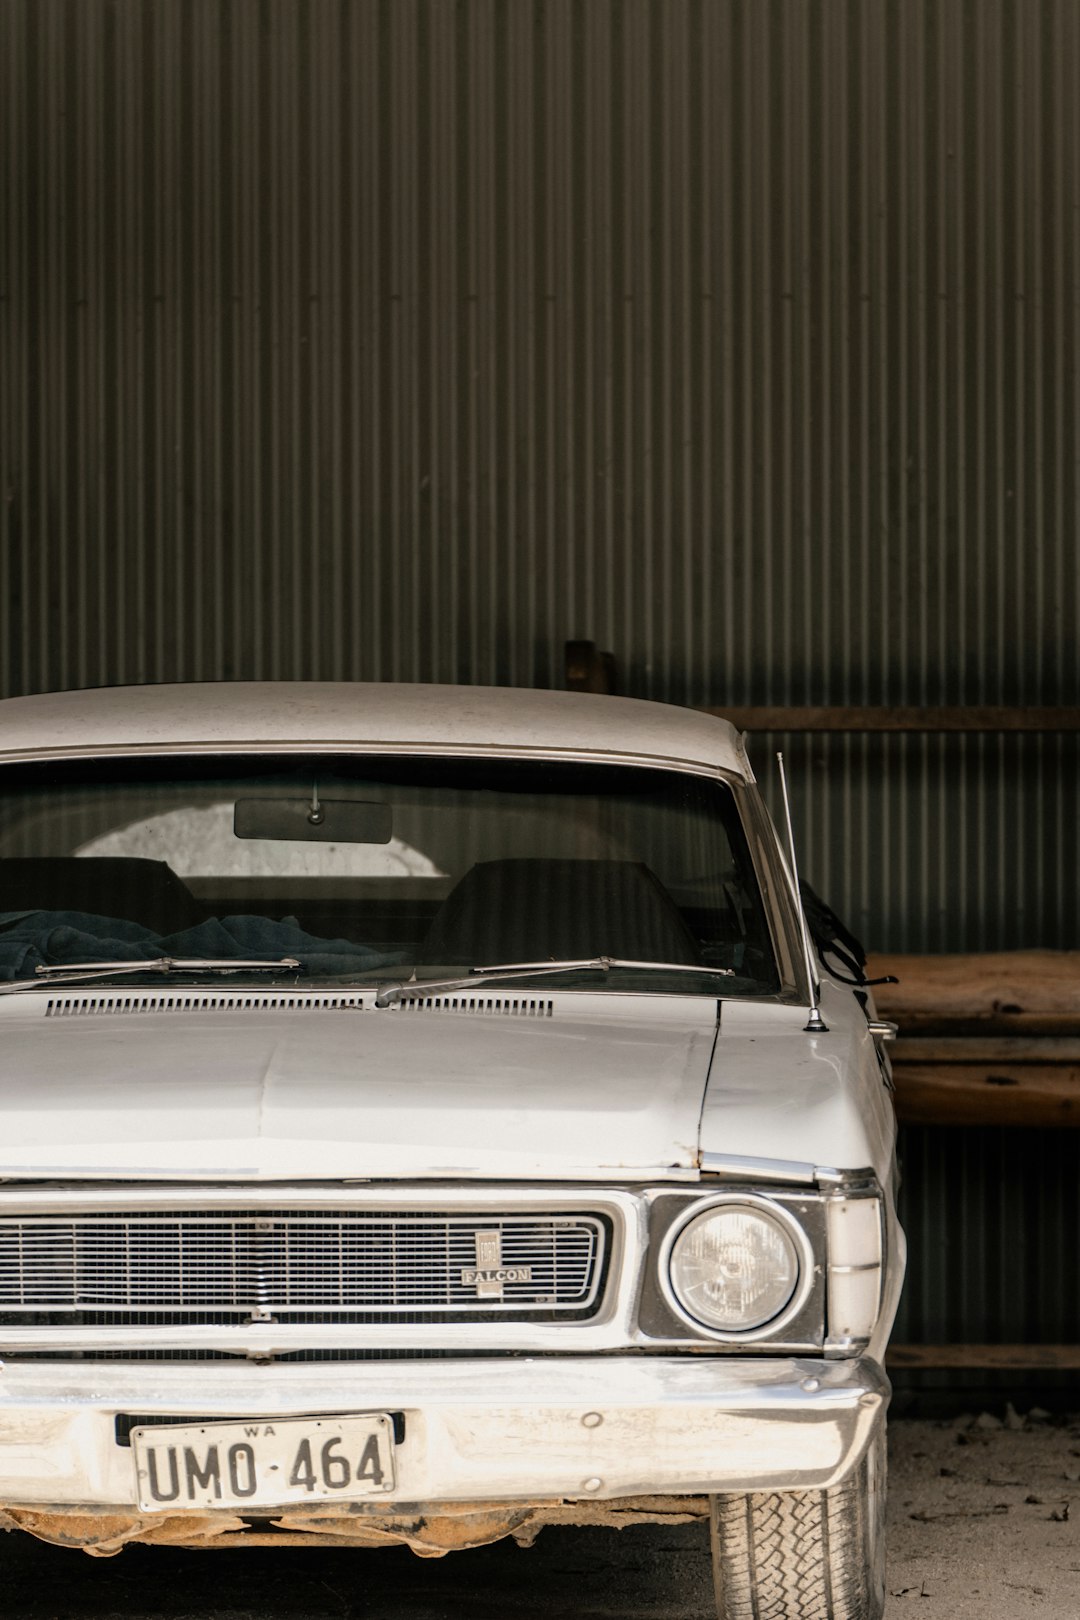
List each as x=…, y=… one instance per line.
x=734, y=1267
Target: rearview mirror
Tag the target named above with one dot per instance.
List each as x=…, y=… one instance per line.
x=325, y=821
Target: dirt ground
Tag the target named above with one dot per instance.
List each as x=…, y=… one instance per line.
x=984, y=1525
x=984, y=1519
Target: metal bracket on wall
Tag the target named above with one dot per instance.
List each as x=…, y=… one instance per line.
x=899, y=718
x=588, y=669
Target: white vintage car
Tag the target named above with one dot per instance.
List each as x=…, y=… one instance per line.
x=412, y=1132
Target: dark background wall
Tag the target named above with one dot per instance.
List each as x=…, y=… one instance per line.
x=407, y=338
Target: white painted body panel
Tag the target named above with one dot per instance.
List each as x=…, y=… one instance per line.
x=600, y=1091
x=780, y=1092
x=369, y=715
x=610, y=1087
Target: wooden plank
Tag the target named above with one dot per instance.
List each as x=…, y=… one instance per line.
x=904, y=719
x=1008, y=1357
x=989, y=1049
x=1024, y=1094
x=989, y=1039
x=1021, y=993
x=1028, y=1025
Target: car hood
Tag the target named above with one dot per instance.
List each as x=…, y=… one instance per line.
x=601, y=1087
x=595, y=1090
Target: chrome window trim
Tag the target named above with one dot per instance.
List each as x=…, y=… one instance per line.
x=428, y=750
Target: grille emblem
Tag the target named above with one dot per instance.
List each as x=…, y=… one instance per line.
x=262, y=1253
x=489, y=1275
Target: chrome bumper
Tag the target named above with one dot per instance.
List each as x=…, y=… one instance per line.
x=592, y=1428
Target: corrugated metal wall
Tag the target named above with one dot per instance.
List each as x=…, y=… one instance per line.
x=408, y=338
x=993, y=1225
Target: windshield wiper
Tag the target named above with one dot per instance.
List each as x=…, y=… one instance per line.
x=535, y=970
x=80, y=972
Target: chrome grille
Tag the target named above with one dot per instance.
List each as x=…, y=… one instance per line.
x=300, y=1265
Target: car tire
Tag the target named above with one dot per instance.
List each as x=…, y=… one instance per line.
x=804, y=1555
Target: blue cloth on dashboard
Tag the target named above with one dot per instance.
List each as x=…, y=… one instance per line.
x=29, y=939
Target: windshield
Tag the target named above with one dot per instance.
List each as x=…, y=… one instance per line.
x=362, y=866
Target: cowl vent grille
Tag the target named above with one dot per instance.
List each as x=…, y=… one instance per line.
x=492, y=1006
x=96, y=1006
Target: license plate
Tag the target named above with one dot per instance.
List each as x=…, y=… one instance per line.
x=264, y=1462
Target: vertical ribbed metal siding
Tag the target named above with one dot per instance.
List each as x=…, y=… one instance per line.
x=404, y=340
x=993, y=1226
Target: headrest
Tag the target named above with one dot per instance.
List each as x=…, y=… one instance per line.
x=530, y=909
x=139, y=891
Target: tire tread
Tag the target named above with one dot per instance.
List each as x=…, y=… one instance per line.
x=803, y=1555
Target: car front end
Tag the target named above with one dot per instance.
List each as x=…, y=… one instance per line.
x=411, y=1128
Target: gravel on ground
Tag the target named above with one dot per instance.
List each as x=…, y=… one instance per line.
x=984, y=1519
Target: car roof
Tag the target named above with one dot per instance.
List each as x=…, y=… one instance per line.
x=228, y=715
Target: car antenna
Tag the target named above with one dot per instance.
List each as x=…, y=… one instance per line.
x=815, y=1025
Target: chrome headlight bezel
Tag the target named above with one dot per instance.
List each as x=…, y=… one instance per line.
x=781, y=1217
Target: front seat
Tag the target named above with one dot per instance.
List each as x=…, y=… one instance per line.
x=530, y=910
x=128, y=887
